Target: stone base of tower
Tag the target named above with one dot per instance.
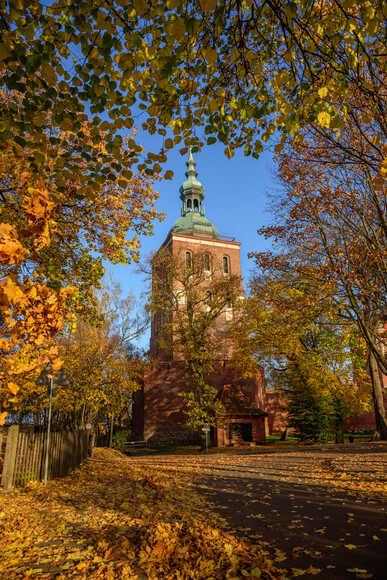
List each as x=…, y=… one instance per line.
x=158, y=410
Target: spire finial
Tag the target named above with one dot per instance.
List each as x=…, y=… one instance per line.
x=192, y=191
x=191, y=164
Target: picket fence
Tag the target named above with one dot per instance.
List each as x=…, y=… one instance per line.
x=23, y=452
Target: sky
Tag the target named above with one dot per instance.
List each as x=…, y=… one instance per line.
x=235, y=202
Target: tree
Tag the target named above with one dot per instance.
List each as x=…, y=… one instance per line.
x=189, y=303
x=291, y=328
x=53, y=237
x=102, y=366
x=241, y=70
x=333, y=212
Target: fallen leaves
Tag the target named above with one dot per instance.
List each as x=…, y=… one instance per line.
x=92, y=525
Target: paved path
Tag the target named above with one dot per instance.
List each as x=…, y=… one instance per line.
x=320, y=509
x=308, y=525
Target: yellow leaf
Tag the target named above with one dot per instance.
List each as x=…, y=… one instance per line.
x=324, y=119
x=81, y=565
x=66, y=125
x=13, y=387
x=208, y=5
x=350, y=546
x=168, y=143
x=4, y=51
x=323, y=92
x=213, y=105
x=211, y=55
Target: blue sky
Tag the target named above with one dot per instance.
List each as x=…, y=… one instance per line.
x=235, y=202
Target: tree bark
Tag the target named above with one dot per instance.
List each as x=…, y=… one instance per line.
x=83, y=415
x=285, y=434
x=111, y=430
x=377, y=395
x=339, y=433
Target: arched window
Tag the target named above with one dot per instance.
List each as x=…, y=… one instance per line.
x=226, y=265
x=208, y=299
x=188, y=259
x=207, y=263
x=196, y=205
x=189, y=204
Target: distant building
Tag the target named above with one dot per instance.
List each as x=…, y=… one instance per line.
x=157, y=408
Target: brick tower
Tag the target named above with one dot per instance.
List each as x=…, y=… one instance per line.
x=157, y=408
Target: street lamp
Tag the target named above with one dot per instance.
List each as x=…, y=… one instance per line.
x=47, y=378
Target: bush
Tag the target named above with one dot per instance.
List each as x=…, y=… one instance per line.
x=119, y=440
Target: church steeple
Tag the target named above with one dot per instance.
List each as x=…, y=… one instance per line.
x=192, y=191
x=192, y=220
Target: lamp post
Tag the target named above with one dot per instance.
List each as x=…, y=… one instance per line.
x=206, y=430
x=50, y=380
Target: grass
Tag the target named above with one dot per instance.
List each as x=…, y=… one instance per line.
x=272, y=442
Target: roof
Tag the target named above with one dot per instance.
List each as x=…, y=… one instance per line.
x=236, y=403
x=196, y=224
x=193, y=220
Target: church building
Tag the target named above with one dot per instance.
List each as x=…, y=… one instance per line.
x=157, y=407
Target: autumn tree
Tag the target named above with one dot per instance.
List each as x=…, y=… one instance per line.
x=103, y=367
x=53, y=237
x=241, y=70
x=190, y=303
x=291, y=327
x=332, y=211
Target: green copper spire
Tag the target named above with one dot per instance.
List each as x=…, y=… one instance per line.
x=192, y=191
x=193, y=221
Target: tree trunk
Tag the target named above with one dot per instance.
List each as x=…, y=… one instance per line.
x=111, y=430
x=285, y=434
x=83, y=415
x=377, y=395
x=339, y=433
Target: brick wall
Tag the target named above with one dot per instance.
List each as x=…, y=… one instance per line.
x=158, y=409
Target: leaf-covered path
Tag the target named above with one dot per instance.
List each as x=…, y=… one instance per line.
x=117, y=519
x=319, y=513
x=323, y=512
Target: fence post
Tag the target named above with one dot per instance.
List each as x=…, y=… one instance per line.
x=10, y=457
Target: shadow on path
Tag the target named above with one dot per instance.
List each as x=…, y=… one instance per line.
x=312, y=530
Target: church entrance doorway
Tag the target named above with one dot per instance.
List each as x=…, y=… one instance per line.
x=241, y=432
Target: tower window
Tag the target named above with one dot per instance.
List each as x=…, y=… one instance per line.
x=207, y=264
x=226, y=267
x=189, y=204
x=196, y=205
x=188, y=259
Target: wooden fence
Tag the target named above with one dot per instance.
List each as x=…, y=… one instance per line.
x=22, y=454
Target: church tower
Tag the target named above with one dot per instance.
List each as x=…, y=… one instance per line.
x=158, y=408
x=194, y=233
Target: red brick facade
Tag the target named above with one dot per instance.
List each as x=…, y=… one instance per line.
x=158, y=408
x=217, y=249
